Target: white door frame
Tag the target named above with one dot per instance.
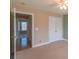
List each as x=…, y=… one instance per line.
x=32, y=24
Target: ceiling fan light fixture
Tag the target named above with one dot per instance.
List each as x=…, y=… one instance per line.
x=61, y=7
x=64, y=7
x=62, y=4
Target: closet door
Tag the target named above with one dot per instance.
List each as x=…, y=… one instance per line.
x=55, y=28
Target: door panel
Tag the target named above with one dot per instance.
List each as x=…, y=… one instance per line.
x=51, y=29
x=59, y=28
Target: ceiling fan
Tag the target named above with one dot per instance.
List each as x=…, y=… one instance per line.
x=62, y=4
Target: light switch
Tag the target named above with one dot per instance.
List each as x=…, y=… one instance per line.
x=36, y=29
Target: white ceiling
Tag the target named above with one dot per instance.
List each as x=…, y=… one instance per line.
x=47, y=5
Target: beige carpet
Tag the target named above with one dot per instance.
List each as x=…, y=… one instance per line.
x=55, y=50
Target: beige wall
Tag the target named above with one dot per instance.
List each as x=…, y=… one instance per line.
x=40, y=21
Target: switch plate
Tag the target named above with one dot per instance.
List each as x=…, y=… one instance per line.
x=36, y=29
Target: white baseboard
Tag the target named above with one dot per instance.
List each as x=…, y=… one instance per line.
x=41, y=44
x=66, y=39
x=38, y=45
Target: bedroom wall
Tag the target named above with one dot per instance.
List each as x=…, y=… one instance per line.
x=65, y=26
x=40, y=21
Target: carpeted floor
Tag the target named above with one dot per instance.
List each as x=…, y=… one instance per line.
x=55, y=50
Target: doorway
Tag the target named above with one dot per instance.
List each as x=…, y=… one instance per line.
x=22, y=30
x=55, y=28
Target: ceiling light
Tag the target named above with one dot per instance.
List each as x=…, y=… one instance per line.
x=62, y=4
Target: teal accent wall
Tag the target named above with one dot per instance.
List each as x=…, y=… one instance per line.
x=65, y=26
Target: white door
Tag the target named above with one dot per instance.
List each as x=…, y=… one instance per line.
x=55, y=28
